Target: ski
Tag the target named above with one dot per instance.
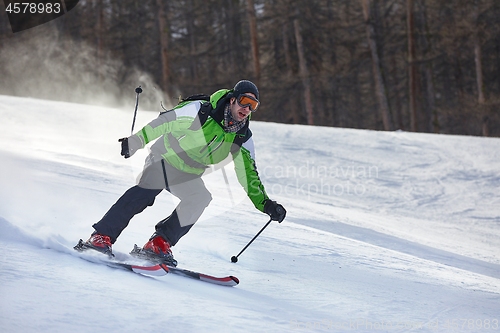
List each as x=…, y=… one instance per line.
x=163, y=269
x=158, y=269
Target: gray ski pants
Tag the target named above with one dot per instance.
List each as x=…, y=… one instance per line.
x=190, y=189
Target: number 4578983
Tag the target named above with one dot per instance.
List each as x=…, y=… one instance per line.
x=33, y=8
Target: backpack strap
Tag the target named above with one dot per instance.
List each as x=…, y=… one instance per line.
x=201, y=118
x=207, y=110
x=196, y=97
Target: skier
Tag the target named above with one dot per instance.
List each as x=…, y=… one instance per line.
x=192, y=136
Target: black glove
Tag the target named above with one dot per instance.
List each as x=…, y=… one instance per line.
x=125, y=150
x=276, y=211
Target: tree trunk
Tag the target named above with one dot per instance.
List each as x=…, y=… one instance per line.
x=380, y=90
x=254, y=40
x=303, y=71
x=193, y=66
x=294, y=107
x=431, y=112
x=412, y=72
x=477, y=56
x=398, y=114
x=162, y=26
x=479, y=73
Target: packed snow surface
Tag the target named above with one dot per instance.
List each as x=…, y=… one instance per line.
x=385, y=231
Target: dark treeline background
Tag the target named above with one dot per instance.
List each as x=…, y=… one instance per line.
x=416, y=65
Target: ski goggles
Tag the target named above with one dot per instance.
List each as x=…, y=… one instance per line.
x=246, y=100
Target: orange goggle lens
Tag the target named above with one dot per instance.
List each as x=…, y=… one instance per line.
x=245, y=100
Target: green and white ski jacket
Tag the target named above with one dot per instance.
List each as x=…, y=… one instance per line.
x=191, y=144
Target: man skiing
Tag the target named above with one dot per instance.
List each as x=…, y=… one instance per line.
x=189, y=138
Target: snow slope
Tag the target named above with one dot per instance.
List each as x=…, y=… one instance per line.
x=385, y=231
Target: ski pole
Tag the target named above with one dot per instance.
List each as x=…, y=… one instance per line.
x=227, y=185
x=235, y=258
x=138, y=90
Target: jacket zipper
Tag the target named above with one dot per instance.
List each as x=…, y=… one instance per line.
x=218, y=146
x=207, y=145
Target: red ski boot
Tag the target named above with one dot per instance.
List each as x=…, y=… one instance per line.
x=157, y=249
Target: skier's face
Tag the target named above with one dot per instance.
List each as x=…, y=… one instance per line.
x=238, y=112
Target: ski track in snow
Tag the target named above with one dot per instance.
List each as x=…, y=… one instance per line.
x=385, y=231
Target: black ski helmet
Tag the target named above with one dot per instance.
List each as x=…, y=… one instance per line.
x=245, y=86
